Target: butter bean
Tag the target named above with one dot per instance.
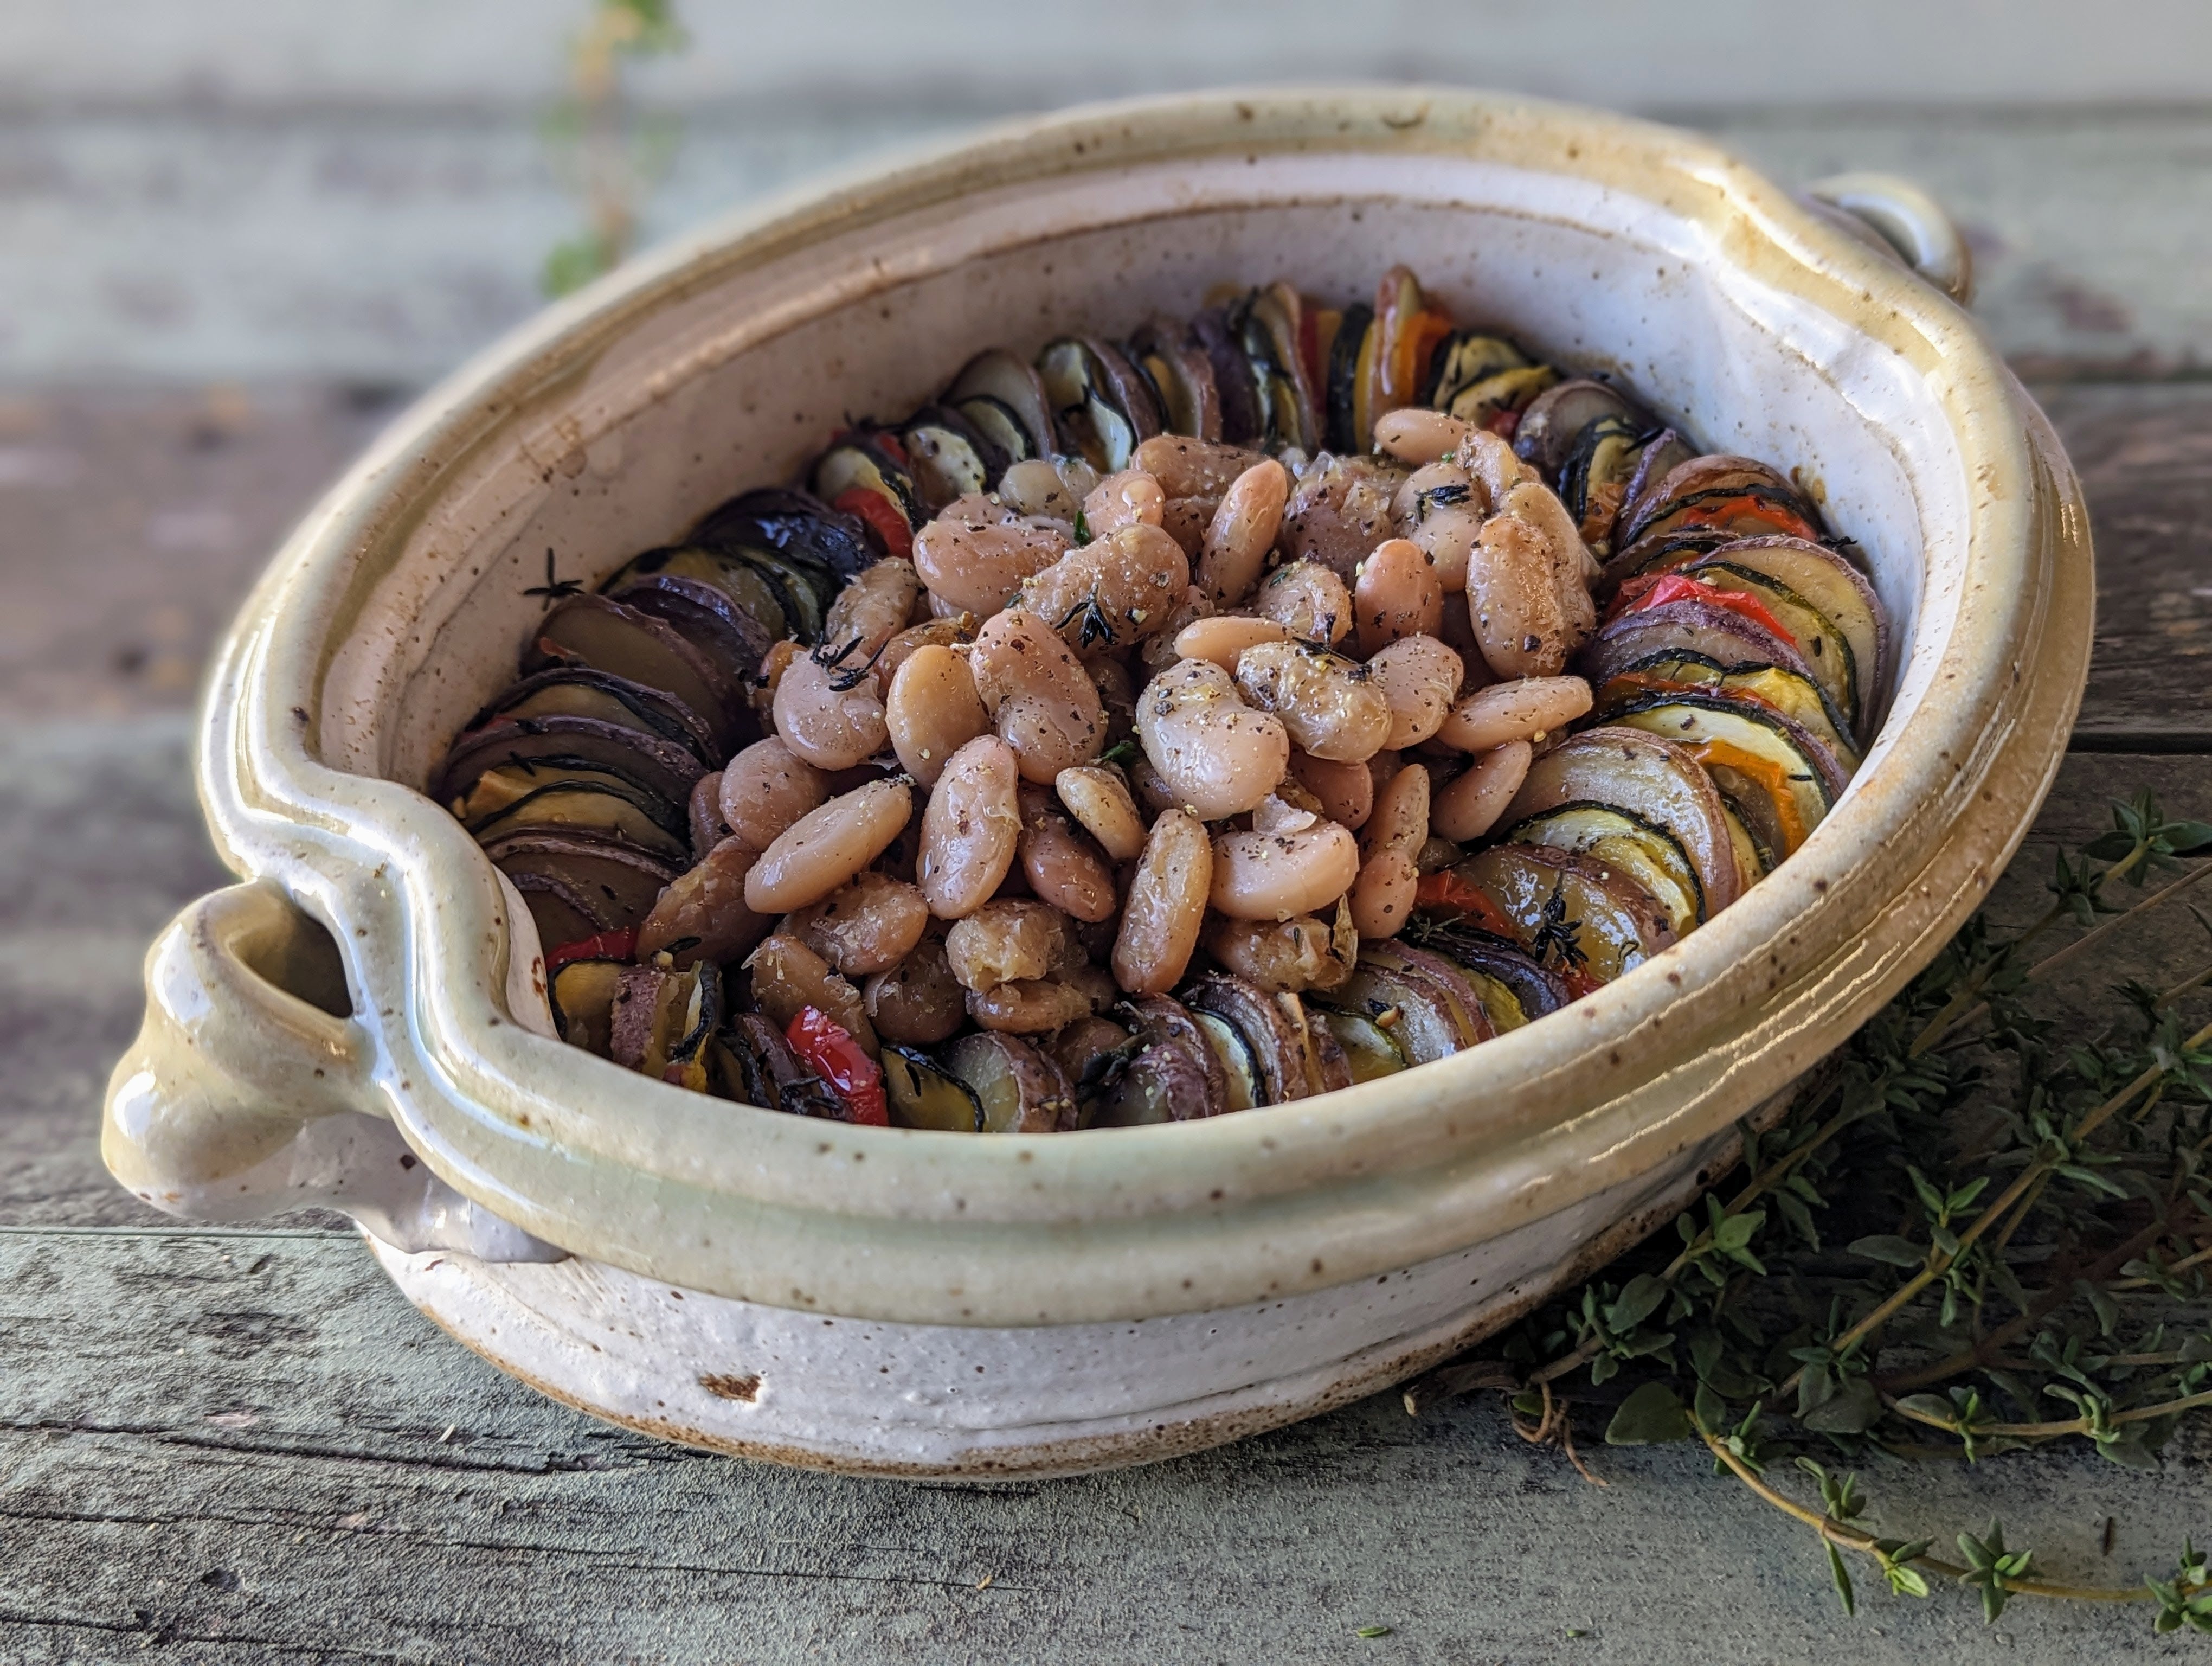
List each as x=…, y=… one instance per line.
x=1396, y=594
x=1194, y=468
x=932, y=711
x=1062, y=867
x=1525, y=585
x=977, y=553
x=869, y=924
x=1419, y=678
x=1470, y=805
x=1225, y=635
x=1242, y=532
x=1099, y=799
x=1527, y=710
x=971, y=828
x=1308, y=600
x=1130, y=498
x=831, y=723
x=1346, y=792
x=706, y=907
x=918, y=1002
x=1117, y=589
x=1389, y=869
x=766, y=788
x=1273, y=876
x=1215, y=755
x=1166, y=906
x=1007, y=941
x=953, y=632
x=826, y=846
x=1295, y=955
x=1043, y=703
x=871, y=609
x=1329, y=704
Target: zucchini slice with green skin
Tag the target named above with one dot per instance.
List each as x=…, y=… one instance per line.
x=1242, y=1087
x=1753, y=754
x=998, y=422
x=1792, y=693
x=999, y=375
x=859, y=463
x=1021, y=1091
x=1273, y=1042
x=1368, y=1047
x=1470, y=1012
x=1462, y=359
x=582, y=996
x=1575, y=913
x=507, y=781
x=1341, y=375
x=757, y=595
x=1821, y=644
x=1649, y=777
x=920, y=1093
x=1647, y=853
x=1557, y=421
x=949, y=457
x=1829, y=582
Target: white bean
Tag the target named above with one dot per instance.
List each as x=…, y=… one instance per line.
x=932, y=711
x=1215, y=755
x=1470, y=806
x=1099, y=799
x=1225, y=635
x=831, y=715
x=827, y=847
x=1308, y=600
x=1328, y=703
x=1127, y=499
x=1527, y=710
x=1044, y=704
x=977, y=553
x=1397, y=594
x=766, y=788
x=1242, y=532
x=971, y=828
x=1419, y=678
x=1166, y=906
x=1273, y=876
x=1389, y=871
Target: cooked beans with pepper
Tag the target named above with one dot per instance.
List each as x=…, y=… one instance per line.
x=1145, y=730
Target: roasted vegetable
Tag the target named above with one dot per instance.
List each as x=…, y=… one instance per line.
x=1020, y=1090
x=1580, y=916
x=923, y=1094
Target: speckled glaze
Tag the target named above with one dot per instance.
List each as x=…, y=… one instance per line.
x=1124, y=1294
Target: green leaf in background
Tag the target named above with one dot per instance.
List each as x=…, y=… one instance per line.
x=1651, y=1415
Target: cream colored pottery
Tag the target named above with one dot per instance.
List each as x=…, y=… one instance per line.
x=364, y=1023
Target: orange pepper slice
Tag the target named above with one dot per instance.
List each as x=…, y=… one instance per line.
x=1771, y=777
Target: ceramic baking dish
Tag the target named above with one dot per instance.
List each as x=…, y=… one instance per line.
x=362, y=1022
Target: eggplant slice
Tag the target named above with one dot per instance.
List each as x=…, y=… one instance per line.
x=1016, y=388
x=649, y=759
x=801, y=527
x=583, y=692
x=609, y=637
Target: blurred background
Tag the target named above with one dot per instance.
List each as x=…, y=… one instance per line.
x=236, y=235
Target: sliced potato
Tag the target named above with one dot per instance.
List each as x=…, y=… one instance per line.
x=1020, y=1090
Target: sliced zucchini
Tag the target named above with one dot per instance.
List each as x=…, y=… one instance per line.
x=1821, y=642
x=949, y=457
x=1793, y=693
x=639, y=755
x=998, y=422
x=1755, y=755
x=607, y=636
x=625, y=814
x=582, y=996
x=1368, y=1047
x=582, y=692
x=998, y=375
x=1649, y=779
x=1575, y=913
x=1829, y=583
x=1646, y=852
x=920, y=1093
x=1342, y=377
x=861, y=463
x=1534, y=990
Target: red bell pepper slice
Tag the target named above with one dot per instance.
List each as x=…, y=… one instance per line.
x=1446, y=891
x=829, y=1050
x=601, y=945
x=886, y=522
x=1657, y=589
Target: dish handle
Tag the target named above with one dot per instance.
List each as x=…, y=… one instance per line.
x=250, y=1091
x=1900, y=220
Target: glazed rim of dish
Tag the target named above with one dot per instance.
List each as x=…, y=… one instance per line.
x=1123, y=1223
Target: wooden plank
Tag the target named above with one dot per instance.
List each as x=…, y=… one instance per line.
x=296, y=1466
x=2145, y=458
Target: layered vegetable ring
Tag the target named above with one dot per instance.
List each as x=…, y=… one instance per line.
x=1167, y=726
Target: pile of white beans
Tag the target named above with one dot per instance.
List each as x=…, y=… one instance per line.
x=1324, y=675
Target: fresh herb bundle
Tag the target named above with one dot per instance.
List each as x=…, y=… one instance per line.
x=1965, y=1234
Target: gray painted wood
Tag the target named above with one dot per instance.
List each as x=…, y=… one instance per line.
x=379, y=242
x=236, y=1447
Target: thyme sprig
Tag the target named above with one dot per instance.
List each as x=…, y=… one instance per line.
x=1965, y=1233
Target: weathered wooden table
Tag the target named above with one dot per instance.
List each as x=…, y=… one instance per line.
x=241, y=1445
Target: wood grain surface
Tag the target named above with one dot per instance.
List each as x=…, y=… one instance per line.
x=242, y=1445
